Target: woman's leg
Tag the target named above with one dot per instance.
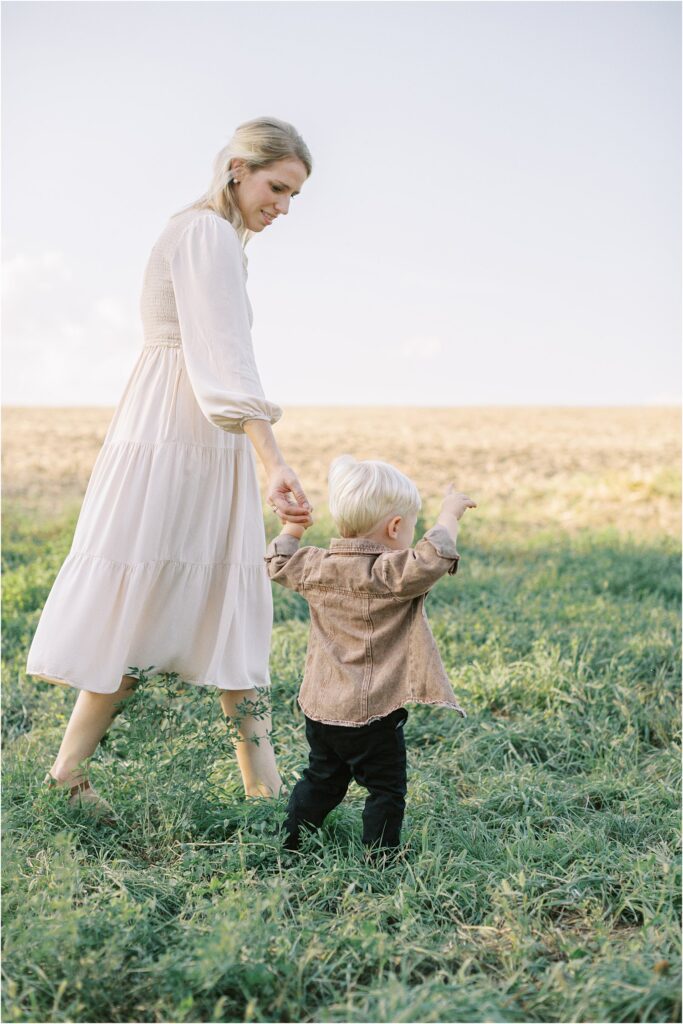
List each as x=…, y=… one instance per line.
x=92, y=715
x=256, y=760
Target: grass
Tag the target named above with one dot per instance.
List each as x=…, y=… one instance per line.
x=540, y=874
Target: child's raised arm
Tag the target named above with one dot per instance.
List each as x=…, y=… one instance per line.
x=413, y=571
x=453, y=508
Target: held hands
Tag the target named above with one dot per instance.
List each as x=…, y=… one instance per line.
x=292, y=530
x=455, y=503
x=287, y=499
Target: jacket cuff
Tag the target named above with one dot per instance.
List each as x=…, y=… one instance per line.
x=284, y=544
x=444, y=545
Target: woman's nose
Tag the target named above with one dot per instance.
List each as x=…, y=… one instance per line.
x=282, y=205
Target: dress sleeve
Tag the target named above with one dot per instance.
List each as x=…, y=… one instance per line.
x=213, y=313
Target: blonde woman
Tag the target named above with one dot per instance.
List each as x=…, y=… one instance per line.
x=166, y=567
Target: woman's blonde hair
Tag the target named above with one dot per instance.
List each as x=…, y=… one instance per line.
x=260, y=142
x=361, y=494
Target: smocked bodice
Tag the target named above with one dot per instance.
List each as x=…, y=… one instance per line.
x=157, y=302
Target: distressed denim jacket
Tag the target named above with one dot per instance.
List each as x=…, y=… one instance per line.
x=370, y=648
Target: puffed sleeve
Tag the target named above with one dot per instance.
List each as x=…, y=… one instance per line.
x=213, y=313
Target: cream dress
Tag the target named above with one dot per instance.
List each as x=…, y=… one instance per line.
x=166, y=567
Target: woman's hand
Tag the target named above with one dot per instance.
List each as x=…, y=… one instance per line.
x=285, y=494
x=286, y=497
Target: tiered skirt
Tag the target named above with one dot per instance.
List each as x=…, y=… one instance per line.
x=166, y=567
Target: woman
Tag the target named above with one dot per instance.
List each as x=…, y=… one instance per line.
x=166, y=567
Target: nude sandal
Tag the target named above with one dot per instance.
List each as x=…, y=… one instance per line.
x=83, y=795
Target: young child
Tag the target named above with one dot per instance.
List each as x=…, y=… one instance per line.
x=370, y=649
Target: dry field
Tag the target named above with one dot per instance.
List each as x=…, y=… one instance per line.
x=536, y=467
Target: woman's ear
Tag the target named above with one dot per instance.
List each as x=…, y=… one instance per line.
x=237, y=166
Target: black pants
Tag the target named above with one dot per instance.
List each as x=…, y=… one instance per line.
x=375, y=756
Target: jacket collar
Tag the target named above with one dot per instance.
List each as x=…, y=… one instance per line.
x=356, y=546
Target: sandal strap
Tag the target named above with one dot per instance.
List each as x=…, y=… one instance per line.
x=81, y=787
x=52, y=783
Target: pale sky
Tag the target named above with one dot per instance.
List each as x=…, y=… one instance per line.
x=493, y=218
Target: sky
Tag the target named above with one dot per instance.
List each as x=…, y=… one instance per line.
x=493, y=218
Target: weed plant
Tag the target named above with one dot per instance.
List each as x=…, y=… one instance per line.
x=539, y=879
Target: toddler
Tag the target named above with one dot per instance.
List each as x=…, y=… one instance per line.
x=370, y=649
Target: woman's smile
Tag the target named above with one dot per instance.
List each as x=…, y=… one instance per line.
x=277, y=183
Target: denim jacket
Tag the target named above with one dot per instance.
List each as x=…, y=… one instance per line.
x=370, y=648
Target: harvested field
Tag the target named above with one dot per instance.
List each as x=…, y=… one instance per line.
x=573, y=468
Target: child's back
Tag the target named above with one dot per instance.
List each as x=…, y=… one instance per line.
x=370, y=648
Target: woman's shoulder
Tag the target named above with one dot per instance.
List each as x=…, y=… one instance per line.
x=203, y=216
x=201, y=223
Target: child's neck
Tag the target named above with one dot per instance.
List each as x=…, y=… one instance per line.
x=380, y=536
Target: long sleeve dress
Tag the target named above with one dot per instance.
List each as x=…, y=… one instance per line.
x=166, y=567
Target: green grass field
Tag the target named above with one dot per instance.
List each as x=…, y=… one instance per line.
x=539, y=879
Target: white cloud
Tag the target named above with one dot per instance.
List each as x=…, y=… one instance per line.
x=22, y=274
x=61, y=346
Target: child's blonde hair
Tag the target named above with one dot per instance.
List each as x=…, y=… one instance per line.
x=361, y=494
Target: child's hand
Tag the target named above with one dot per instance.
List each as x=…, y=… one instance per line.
x=455, y=503
x=295, y=529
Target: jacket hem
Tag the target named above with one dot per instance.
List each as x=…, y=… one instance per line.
x=376, y=718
